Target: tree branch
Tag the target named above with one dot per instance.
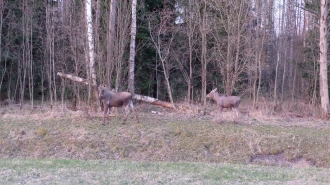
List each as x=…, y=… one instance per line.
x=310, y=11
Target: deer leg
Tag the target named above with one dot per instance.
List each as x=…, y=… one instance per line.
x=105, y=108
x=127, y=111
x=220, y=115
x=237, y=112
x=132, y=107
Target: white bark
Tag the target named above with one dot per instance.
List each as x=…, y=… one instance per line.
x=91, y=53
x=153, y=101
x=323, y=59
x=74, y=78
x=132, y=50
x=148, y=99
x=90, y=41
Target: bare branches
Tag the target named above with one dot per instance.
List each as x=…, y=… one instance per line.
x=314, y=13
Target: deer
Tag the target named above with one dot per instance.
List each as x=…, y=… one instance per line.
x=224, y=101
x=113, y=99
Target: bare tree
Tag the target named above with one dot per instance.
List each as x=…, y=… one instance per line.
x=4, y=70
x=121, y=40
x=111, y=41
x=260, y=38
x=202, y=18
x=324, y=91
x=231, y=38
x=191, y=27
x=278, y=53
x=90, y=51
x=162, y=36
x=132, y=50
x=26, y=55
x=49, y=52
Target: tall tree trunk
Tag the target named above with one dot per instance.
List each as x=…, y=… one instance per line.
x=324, y=93
x=98, y=48
x=202, y=29
x=111, y=41
x=30, y=59
x=49, y=52
x=291, y=34
x=132, y=50
x=276, y=73
x=2, y=8
x=283, y=45
x=122, y=39
x=190, y=33
x=190, y=70
x=91, y=57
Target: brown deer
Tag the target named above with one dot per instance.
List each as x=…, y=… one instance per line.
x=113, y=99
x=224, y=101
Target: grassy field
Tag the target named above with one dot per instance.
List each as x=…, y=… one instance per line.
x=169, y=147
x=55, y=171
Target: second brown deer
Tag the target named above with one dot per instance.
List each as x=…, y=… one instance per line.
x=224, y=101
x=113, y=99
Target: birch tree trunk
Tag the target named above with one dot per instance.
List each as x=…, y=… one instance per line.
x=323, y=59
x=90, y=39
x=90, y=42
x=132, y=50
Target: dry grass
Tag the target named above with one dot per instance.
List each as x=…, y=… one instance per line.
x=189, y=134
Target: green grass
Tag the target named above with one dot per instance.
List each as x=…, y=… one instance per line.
x=54, y=171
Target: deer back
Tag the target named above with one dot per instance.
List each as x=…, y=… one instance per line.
x=227, y=101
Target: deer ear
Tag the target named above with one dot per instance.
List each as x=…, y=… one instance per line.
x=214, y=90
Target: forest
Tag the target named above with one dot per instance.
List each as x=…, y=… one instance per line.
x=182, y=49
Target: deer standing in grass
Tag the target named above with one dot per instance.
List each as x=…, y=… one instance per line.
x=224, y=101
x=113, y=99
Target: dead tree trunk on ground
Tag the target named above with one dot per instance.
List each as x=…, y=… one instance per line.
x=147, y=99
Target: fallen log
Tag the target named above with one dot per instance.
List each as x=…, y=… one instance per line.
x=74, y=78
x=153, y=101
x=147, y=99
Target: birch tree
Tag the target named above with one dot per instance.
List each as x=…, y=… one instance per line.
x=324, y=91
x=90, y=46
x=132, y=50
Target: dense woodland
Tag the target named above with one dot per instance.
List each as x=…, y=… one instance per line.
x=257, y=49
